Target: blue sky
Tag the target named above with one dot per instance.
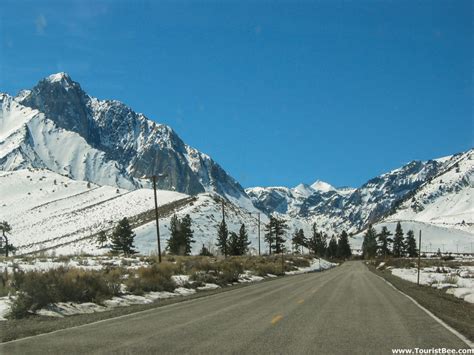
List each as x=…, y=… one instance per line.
x=277, y=92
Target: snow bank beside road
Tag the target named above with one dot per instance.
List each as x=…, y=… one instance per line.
x=457, y=281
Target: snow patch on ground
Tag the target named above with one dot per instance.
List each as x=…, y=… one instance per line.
x=316, y=265
x=458, y=282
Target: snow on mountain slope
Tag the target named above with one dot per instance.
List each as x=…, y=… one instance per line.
x=46, y=209
x=434, y=237
x=63, y=129
x=32, y=140
x=322, y=186
x=206, y=214
x=447, y=199
x=334, y=210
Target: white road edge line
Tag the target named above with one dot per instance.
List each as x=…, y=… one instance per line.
x=448, y=327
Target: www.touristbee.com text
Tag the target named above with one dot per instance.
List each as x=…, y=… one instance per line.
x=432, y=351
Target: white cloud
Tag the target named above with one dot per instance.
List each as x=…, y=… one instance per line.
x=41, y=24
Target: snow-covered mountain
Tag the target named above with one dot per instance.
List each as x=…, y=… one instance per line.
x=435, y=191
x=445, y=200
x=55, y=138
x=57, y=126
x=51, y=212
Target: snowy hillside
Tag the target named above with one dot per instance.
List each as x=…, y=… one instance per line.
x=446, y=200
x=434, y=237
x=436, y=191
x=57, y=126
x=206, y=213
x=46, y=209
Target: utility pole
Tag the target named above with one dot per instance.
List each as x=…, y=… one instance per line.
x=419, y=258
x=258, y=213
x=282, y=262
x=223, y=223
x=157, y=220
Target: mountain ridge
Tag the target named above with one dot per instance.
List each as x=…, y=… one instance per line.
x=57, y=126
x=128, y=143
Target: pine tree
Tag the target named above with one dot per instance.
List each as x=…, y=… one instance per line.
x=174, y=242
x=187, y=234
x=243, y=240
x=312, y=242
x=369, y=244
x=299, y=240
x=274, y=236
x=102, y=239
x=205, y=251
x=269, y=234
x=280, y=230
x=233, y=244
x=343, y=246
x=398, y=245
x=410, y=243
x=384, y=242
x=222, y=238
x=123, y=237
x=331, y=251
x=6, y=228
x=181, y=235
x=322, y=244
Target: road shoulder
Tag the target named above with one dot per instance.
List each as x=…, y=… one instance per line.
x=455, y=312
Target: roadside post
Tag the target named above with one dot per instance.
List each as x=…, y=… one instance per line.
x=154, y=178
x=419, y=259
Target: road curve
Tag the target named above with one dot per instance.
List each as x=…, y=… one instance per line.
x=347, y=310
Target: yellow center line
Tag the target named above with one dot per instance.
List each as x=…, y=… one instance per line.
x=276, y=319
x=300, y=301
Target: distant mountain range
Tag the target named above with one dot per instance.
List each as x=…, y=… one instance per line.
x=437, y=191
x=58, y=127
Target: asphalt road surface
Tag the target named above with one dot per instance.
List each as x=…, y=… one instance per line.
x=346, y=310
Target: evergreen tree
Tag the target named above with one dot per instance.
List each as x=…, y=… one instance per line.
x=331, y=251
x=410, y=243
x=174, y=241
x=233, y=244
x=123, y=237
x=315, y=243
x=6, y=228
x=269, y=234
x=369, y=244
x=205, y=251
x=102, y=239
x=384, y=242
x=187, y=234
x=181, y=235
x=299, y=240
x=398, y=245
x=322, y=243
x=318, y=242
x=280, y=230
x=343, y=246
x=243, y=240
x=222, y=237
x=274, y=236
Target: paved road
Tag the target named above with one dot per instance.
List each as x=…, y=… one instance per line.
x=347, y=310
